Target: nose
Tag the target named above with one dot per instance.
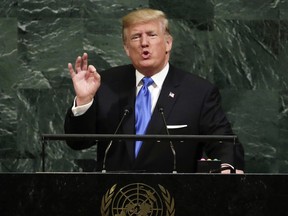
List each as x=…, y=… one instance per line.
x=144, y=41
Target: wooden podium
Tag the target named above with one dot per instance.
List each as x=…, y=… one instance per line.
x=119, y=194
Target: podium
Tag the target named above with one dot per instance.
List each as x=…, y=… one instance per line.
x=141, y=194
x=115, y=194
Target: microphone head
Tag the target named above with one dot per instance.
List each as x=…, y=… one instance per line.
x=160, y=108
x=127, y=110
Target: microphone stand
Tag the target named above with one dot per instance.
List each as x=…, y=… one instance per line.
x=161, y=110
x=126, y=112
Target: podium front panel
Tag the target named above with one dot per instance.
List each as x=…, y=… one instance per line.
x=118, y=194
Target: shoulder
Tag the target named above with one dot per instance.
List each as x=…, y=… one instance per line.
x=118, y=70
x=189, y=79
x=119, y=74
x=118, y=78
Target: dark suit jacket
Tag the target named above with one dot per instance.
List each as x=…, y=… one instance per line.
x=186, y=99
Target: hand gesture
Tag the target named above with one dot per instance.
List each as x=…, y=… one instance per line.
x=86, y=80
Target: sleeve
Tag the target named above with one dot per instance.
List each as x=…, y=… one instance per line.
x=80, y=110
x=215, y=122
x=81, y=124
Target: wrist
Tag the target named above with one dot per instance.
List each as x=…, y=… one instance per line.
x=80, y=101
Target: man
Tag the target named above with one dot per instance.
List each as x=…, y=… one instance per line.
x=189, y=105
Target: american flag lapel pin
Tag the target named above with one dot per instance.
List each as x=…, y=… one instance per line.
x=171, y=94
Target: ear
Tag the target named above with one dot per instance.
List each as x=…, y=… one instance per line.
x=126, y=50
x=169, y=42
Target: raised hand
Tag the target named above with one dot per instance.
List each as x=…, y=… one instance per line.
x=86, y=80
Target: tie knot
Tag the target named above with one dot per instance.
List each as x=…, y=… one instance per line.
x=147, y=81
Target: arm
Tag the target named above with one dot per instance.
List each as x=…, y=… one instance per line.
x=86, y=82
x=215, y=122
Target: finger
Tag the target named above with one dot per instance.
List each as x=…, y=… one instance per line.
x=97, y=77
x=239, y=171
x=226, y=171
x=92, y=69
x=71, y=70
x=78, y=64
x=84, y=61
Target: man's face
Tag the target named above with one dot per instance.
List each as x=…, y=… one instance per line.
x=148, y=46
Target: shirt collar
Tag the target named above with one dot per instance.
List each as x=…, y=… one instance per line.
x=158, y=78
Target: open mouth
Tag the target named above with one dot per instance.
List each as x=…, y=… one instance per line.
x=146, y=54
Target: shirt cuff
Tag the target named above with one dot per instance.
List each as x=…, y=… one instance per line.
x=223, y=165
x=80, y=110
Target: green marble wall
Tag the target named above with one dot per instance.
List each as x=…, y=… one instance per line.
x=239, y=45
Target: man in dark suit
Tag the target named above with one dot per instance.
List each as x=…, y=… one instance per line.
x=189, y=105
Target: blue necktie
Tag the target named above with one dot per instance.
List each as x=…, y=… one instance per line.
x=142, y=110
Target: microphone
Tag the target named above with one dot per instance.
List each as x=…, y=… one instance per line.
x=161, y=110
x=126, y=112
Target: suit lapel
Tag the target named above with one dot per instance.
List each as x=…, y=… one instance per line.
x=169, y=94
x=167, y=98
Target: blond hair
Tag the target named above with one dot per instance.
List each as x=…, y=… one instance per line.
x=142, y=16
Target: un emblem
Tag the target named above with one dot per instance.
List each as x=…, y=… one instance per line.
x=137, y=200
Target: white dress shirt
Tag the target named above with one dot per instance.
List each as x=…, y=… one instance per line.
x=156, y=87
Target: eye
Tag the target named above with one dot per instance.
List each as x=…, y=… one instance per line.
x=152, y=34
x=135, y=37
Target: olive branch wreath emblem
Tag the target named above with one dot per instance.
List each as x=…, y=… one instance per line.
x=107, y=199
x=169, y=201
